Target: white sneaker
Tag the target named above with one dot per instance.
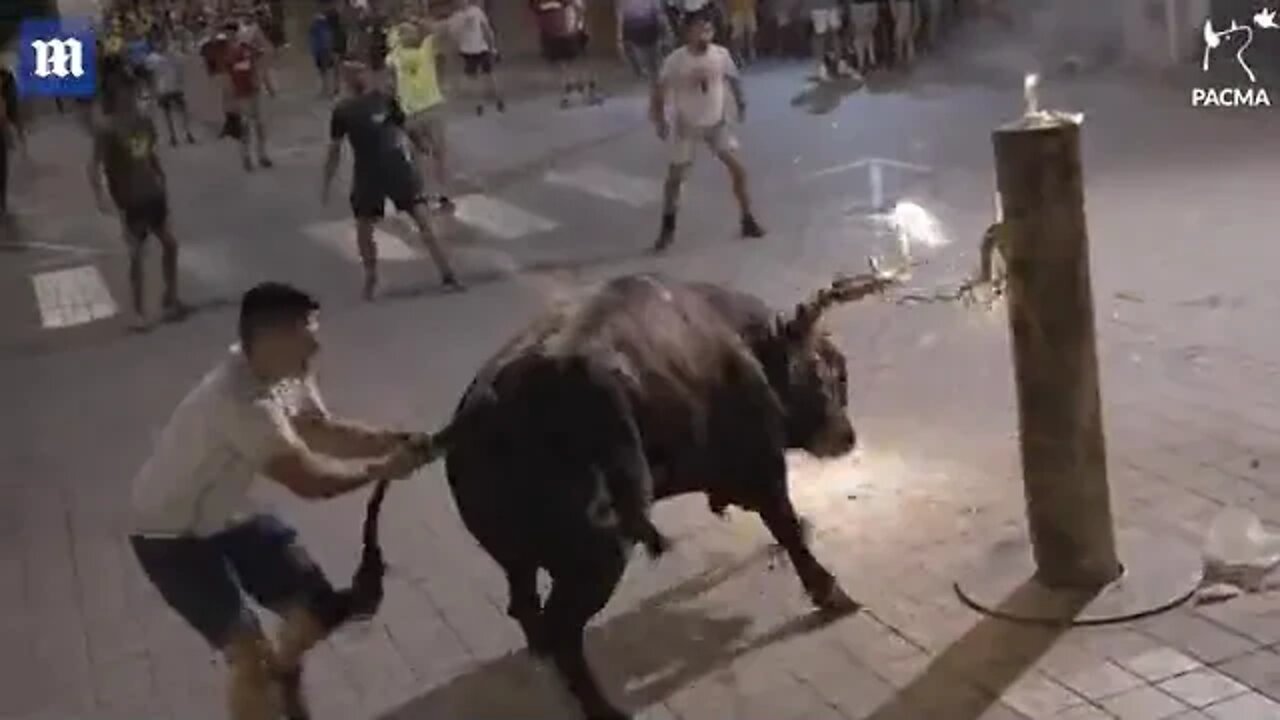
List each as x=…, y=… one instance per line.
x=823, y=75
x=843, y=69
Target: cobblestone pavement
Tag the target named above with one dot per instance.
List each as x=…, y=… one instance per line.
x=1183, y=272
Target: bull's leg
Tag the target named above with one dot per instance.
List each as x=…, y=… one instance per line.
x=790, y=532
x=525, y=607
x=579, y=592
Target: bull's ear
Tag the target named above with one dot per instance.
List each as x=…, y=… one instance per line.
x=800, y=323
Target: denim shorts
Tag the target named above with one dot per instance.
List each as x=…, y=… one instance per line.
x=204, y=579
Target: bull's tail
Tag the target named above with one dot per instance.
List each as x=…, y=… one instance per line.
x=363, y=598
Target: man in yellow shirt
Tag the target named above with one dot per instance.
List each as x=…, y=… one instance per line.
x=743, y=26
x=412, y=61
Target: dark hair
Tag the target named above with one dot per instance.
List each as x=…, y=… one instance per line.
x=272, y=305
x=701, y=15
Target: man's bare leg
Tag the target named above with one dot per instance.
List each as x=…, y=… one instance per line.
x=368, y=255
x=173, y=305
x=741, y=193
x=422, y=217
x=300, y=631
x=671, y=190
x=186, y=121
x=137, y=277
x=494, y=92
x=260, y=130
x=253, y=692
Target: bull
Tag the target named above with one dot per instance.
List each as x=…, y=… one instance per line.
x=643, y=389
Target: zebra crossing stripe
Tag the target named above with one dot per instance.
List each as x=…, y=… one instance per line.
x=341, y=236
x=72, y=296
x=603, y=182
x=208, y=264
x=500, y=219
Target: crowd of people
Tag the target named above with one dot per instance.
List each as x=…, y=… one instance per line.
x=393, y=111
x=844, y=37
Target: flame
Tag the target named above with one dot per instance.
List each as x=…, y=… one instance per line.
x=914, y=226
x=1031, y=94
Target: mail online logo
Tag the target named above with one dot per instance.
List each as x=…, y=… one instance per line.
x=57, y=58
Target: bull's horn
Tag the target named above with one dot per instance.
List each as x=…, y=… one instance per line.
x=843, y=289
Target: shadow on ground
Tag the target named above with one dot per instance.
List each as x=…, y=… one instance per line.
x=969, y=676
x=821, y=98
x=642, y=657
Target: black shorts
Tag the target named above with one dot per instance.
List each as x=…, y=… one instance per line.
x=401, y=186
x=202, y=578
x=564, y=49
x=172, y=101
x=144, y=218
x=477, y=63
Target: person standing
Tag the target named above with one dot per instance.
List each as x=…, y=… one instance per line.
x=864, y=15
x=473, y=36
x=905, y=26
x=243, y=67
x=371, y=121
x=196, y=533
x=169, y=85
x=699, y=77
x=641, y=27
x=124, y=150
x=337, y=33
x=562, y=29
x=413, y=62
x=827, y=50
x=320, y=40
x=743, y=26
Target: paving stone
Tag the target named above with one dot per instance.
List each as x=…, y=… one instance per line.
x=1159, y=664
x=1038, y=696
x=1259, y=670
x=1199, y=688
x=1103, y=680
x=1146, y=703
x=1251, y=706
x=1199, y=637
x=1084, y=712
x=1191, y=715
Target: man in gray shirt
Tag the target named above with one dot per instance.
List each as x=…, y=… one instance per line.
x=199, y=536
x=168, y=82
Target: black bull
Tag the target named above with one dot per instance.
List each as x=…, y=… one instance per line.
x=645, y=389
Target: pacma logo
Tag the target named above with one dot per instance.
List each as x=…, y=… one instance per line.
x=1253, y=96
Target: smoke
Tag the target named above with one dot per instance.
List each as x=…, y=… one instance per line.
x=1044, y=36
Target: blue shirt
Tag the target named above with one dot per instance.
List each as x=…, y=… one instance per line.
x=137, y=52
x=321, y=37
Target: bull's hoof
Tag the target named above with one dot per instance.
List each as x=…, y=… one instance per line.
x=836, y=602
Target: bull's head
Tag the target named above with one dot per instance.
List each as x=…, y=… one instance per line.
x=809, y=373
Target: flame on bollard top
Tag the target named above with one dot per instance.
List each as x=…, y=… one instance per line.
x=915, y=227
x=1031, y=94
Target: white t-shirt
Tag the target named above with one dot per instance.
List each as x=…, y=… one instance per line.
x=466, y=27
x=698, y=85
x=219, y=438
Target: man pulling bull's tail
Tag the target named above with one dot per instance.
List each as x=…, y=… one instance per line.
x=257, y=413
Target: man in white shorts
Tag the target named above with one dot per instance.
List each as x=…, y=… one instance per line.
x=698, y=76
x=825, y=15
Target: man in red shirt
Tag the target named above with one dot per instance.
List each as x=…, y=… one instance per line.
x=562, y=25
x=243, y=64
